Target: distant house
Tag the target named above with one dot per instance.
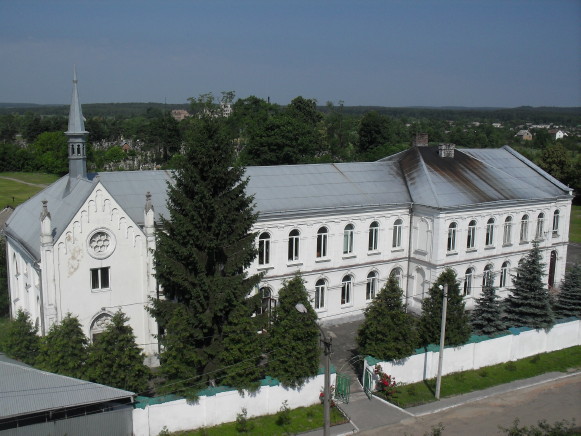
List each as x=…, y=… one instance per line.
x=180, y=114
x=497, y=125
x=557, y=134
x=35, y=402
x=524, y=135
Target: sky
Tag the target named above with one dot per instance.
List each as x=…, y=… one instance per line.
x=476, y=53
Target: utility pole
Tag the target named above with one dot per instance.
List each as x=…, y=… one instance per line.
x=442, y=339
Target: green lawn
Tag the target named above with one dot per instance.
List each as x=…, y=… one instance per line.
x=575, y=228
x=300, y=420
x=468, y=381
x=12, y=193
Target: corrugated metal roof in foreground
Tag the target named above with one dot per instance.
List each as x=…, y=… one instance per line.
x=25, y=390
x=325, y=186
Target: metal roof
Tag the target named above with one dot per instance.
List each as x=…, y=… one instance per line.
x=25, y=390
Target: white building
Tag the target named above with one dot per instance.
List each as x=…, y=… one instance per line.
x=346, y=227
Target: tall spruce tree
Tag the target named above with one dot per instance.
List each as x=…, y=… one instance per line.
x=569, y=299
x=21, y=341
x=115, y=359
x=529, y=304
x=64, y=349
x=486, y=317
x=387, y=332
x=457, y=322
x=203, y=248
x=294, y=337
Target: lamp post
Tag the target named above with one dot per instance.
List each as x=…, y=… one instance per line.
x=442, y=337
x=327, y=387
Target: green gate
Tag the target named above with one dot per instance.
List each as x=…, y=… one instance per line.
x=368, y=383
x=342, y=387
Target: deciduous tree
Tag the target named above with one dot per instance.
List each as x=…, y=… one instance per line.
x=21, y=342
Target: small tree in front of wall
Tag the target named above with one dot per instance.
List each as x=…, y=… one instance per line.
x=21, y=341
x=529, y=303
x=458, y=328
x=486, y=317
x=569, y=299
x=387, y=332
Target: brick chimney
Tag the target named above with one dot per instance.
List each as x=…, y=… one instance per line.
x=420, y=140
x=446, y=150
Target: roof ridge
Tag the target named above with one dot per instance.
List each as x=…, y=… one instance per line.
x=427, y=173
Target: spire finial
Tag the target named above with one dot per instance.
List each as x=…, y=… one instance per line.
x=75, y=74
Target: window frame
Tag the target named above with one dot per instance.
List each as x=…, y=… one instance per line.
x=397, y=231
x=373, y=242
x=293, y=245
x=397, y=272
x=346, y=290
x=371, y=285
x=556, y=219
x=524, y=228
x=468, y=282
x=507, y=231
x=452, y=232
x=322, y=242
x=489, y=240
x=264, y=240
x=487, y=275
x=99, y=276
x=320, y=290
x=471, y=236
x=540, y=226
x=348, y=238
x=504, y=272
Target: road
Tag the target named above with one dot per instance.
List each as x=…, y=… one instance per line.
x=553, y=401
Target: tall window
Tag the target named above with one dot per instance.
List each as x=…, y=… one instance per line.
x=504, y=274
x=452, y=237
x=490, y=232
x=487, y=276
x=396, y=240
x=100, y=278
x=373, y=236
x=268, y=301
x=99, y=325
x=540, y=226
x=507, y=235
x=320, y=288
x=471, y=238
x=346, y=287
x=468, y=281
x=322, y=235
x=396, y=272
x=293, y=245
x=371, y=285
x=264, y=249
x=556, y=223
x=524, y=228
x=348, y=239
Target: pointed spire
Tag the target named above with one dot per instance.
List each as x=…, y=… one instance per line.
x=76, y=120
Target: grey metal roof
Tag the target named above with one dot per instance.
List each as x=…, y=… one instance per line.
x=25, y=390
x=76, y=120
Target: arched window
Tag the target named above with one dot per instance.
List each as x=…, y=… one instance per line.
x=15, y=263
x=487, y=278
x=264, y=249
x=556, y=224
x=99, y=325
x=552, y=268
x=322, y=235
x=540, y=226
x=490, y=232
x=293, y=245
x=373, y=236
x=396, y=240
x=268, y=302
x=524, y=228
x=471, y=237
x=371, y=285
x=419, y=282
x=346, y=288
x=320, y=290
x=504, y=269
x=396, y=272
x=348, y=239
x=452, y=237
x=468, y=281
x=507, y=234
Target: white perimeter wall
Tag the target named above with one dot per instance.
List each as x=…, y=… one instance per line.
x=517, y=345
x=223, y=407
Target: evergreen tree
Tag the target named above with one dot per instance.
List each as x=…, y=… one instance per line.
x=487, y=314
x=457, y=323
x=529, y=302
x=21, y=342
x=64, y=349
x=115, y=359
x=569, y=299
x=243, y=350
x=387, y=332
x=294, y=337
x=203, y=250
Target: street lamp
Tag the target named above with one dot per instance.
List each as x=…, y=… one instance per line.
x=442, y=337
x=327, y=388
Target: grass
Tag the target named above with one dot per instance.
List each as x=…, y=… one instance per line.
x=468, y=381
x=13, y=193
x=299, y=420
x=575, y=227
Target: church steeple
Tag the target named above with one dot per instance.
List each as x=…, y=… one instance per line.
x=77, y=136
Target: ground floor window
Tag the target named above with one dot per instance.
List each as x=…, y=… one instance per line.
x=100, y=278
